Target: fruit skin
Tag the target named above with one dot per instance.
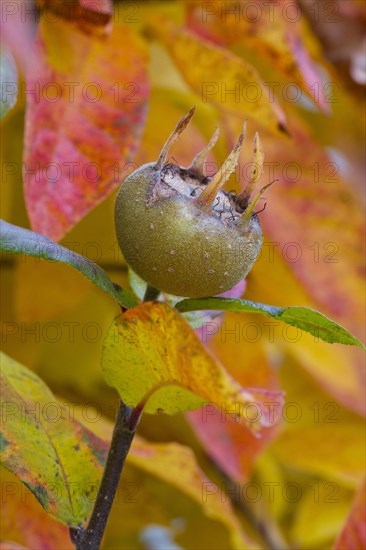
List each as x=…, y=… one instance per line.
x=175, y=243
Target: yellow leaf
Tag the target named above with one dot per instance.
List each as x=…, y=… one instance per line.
x=74, y=453
x=170, y=467
x=154, y=360
x=175, y=105
x=319, y=436
x=49, y=277
x=43, y=448
x=11, y=193
x=324, y=506
x=177, y=465
x=219, y=76
x=273, y=32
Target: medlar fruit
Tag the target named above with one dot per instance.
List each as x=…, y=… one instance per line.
x=180, y=232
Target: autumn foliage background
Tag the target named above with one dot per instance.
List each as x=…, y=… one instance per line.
x=98, y=94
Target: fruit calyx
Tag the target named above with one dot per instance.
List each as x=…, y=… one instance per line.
x=206, y=192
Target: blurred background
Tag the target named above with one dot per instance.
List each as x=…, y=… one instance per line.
x=92, y=92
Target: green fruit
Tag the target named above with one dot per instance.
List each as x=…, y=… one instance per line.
x=180, y=232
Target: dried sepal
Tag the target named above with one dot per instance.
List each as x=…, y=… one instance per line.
x=255, y=175
x=208, y=195
x=197, y=166
x=174, y=136
x=247, y=214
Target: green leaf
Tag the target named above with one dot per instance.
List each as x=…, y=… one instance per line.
x=56, y=457
x=16, y=240
x=9, y=82
x=303, y=318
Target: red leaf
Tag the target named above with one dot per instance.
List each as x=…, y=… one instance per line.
x=85, y=117
x=90, y=16
x=353, y=535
